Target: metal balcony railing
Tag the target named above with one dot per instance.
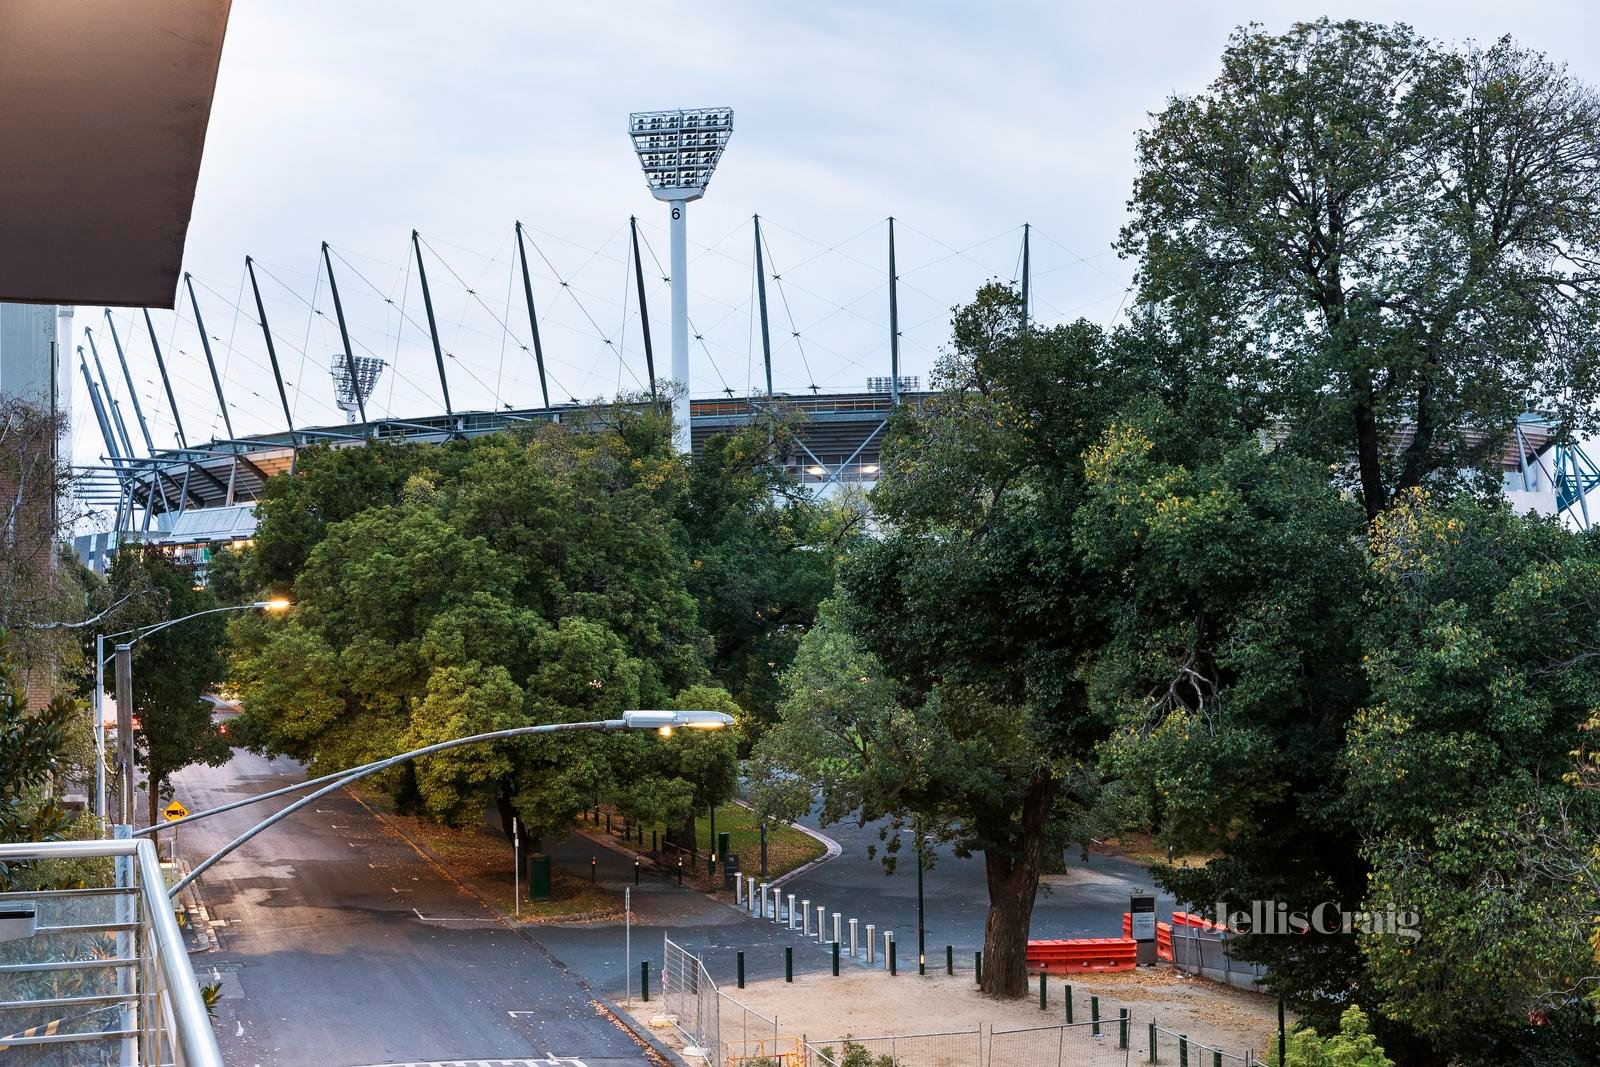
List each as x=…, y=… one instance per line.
x=97, y=973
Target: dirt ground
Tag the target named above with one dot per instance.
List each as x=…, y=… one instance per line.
x=870, y=1003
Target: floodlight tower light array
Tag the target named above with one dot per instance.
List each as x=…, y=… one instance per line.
x=368, y=368
x=679, y=151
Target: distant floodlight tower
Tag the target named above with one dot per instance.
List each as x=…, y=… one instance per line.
x=367, y=369
x=678, y=151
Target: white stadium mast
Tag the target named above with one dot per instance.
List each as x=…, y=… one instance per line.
x=678, y=151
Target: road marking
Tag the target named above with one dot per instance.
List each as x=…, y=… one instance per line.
x=450, y=918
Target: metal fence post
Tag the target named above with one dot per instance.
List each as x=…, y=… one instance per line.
x=788, y=963
x=1153, y=1043
x=1094, y=1014
x=1183, y=1050
x=1041, y=990
x=1069, y=1003
x=741, y=970
x=888, y=940
x=1122, y=1028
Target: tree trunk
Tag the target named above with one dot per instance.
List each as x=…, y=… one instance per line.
x=1013, y=878
x=1369, y=448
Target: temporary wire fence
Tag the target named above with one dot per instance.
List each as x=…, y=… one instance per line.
x=958, y=1048
x=1107, y=1043
x=691, y=998
x=1164, y=1046
x=747, y=1034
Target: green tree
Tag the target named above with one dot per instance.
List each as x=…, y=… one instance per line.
x=763, y=555
x=1379, y=234
x=1482, y=634
x=33, y=752
x=521, y=578
x=173, y=670
x=941, y=689
x=1352, y=1046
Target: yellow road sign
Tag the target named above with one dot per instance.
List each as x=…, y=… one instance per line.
x=175, y=811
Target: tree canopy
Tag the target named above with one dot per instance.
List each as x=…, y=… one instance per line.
x=1395, y=244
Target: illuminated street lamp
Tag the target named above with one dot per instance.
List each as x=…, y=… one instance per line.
x=678, y=151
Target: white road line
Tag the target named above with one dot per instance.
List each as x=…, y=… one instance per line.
x=449, y=919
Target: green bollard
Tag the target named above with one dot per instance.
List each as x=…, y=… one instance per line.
x=836, y=959
x=1041, y=991
x=644, y=980
x=892, y=971
x=1153, y=1043
x=1216, y=1058
x=741, y=970
x=949, y=957
x=1094, y=1014
x=788, y=963
x=1183, y=1050
x=977, y=966
x=1069, y=1004
x=1122, y=1029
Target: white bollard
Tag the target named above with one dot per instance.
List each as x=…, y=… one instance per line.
x=836, y=938
x=854, y=941
x=822, y=925
x=750, y=897
x=777, y=904
x=805, y=915
x=870, y=929
x=738, y=892
x=791, y=911
x=888, y=939
x=761, y=908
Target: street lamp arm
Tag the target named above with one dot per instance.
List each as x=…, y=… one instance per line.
x=654, y=720
x=141, y=632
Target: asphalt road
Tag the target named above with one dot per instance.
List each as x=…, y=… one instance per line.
x=342, y=945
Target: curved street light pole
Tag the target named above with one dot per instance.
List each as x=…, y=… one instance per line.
x=663, y=721
x=125, y=723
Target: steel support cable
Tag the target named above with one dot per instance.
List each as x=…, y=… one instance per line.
x=394, y=369
x=698, y=336
x=827, y=248
x=462, y=282
x=1087, y=261
x=423, y=393
x=567, y=288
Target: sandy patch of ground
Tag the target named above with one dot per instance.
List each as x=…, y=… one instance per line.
x=869, y=1003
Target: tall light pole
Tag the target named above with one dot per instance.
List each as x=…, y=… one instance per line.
x=123, y=657
x=678, y=151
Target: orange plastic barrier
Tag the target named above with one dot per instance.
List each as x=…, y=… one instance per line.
x=1082, y=954
x=1183, y=918
x=1163, y=934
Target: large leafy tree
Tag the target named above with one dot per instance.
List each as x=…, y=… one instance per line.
x=942, y=687
x=1482, y=631
x=517, y=579
x=173, y=669
x=1395, y=244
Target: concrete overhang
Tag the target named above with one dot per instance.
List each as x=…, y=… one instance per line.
x=103, y=112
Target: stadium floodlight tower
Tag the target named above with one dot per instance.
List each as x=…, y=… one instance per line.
x=678, y=151
x=350, y=375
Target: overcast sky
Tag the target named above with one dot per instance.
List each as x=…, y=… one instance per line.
x=353, y=122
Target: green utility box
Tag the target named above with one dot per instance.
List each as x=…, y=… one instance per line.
x=538, y=876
